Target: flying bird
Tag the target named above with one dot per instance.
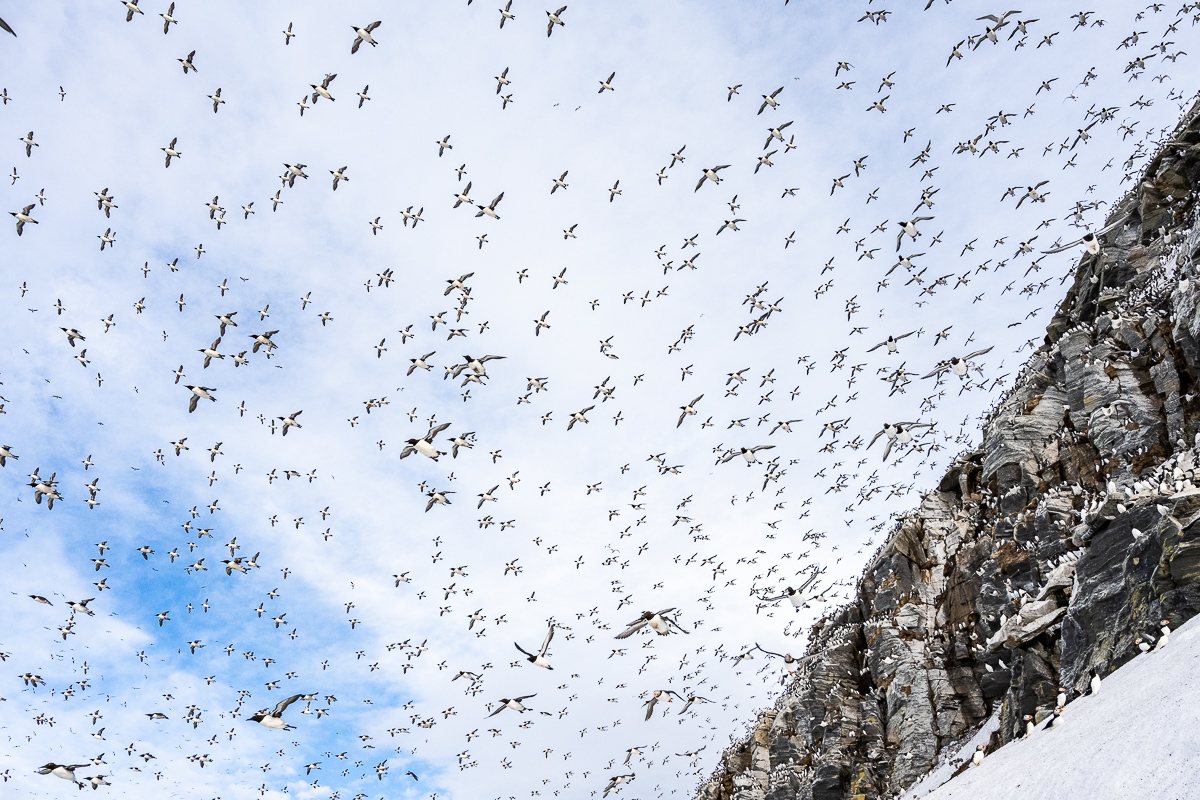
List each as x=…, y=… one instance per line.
x=539, y=659
x=363, y=35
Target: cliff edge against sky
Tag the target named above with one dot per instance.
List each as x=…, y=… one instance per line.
x=1040, y=558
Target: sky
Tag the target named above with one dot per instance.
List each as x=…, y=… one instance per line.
x=358, y=596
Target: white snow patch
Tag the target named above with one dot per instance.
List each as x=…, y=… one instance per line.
x=945, y=769
x=1138, y=737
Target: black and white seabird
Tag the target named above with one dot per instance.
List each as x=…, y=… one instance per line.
x=274, y=719
x=363, y=35
x=290, y=422
x=1091, y=239
x=64, y=771
x=769, y=100
x=514, y=703
x=958, y=366
x=554, y=18
x=710, y=174
x=891, y=343
x=655, y=696
x=658, y=621
x=22, y=217
x=688, y=410
x=197, y=393
x=746, y=453
x=615, y=781
x=539, y=660
x=424, y=445
x=897, y=433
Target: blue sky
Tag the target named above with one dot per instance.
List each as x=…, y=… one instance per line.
x=641, y=546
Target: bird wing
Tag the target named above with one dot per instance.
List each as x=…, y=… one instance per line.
x=632, y=629
x=1118, y=222
x=808, y=582
x=1061, y=248
x=977, y=353
x=282, y=705
x=546, y=643
x=768, y=652
x=940, y=368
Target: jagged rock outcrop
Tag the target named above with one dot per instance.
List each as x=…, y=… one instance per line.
x=1040, y=558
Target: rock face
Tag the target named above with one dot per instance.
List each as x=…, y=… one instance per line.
x=1040, y=558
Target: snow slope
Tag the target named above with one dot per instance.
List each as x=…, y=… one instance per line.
x=1139, y=737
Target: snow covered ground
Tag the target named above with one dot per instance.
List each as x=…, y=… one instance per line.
x=1138, y=738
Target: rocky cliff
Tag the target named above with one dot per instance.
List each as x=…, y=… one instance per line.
x=1040, y=558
